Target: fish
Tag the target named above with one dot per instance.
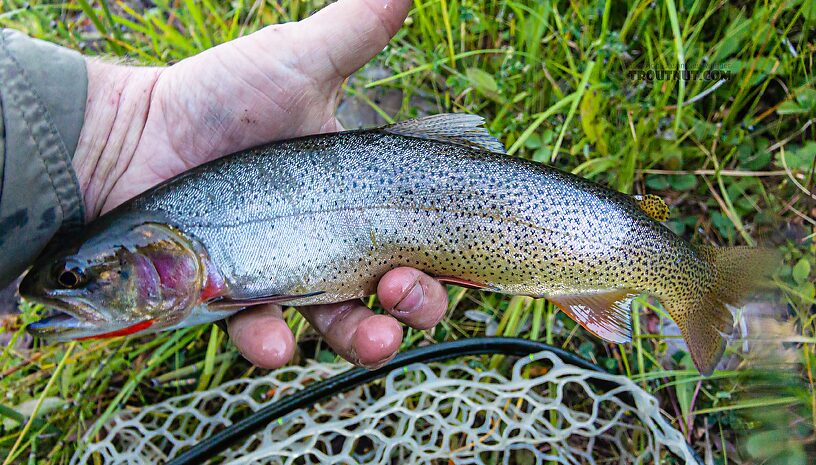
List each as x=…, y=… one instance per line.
x=320, y=219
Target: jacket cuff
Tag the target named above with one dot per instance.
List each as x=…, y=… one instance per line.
x=43, y=90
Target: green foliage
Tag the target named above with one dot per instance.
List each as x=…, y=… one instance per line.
x=776, y=447
x=557, y=82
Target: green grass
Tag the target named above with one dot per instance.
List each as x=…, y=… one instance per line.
x=734, y=160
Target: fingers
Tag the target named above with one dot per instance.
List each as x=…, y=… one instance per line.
x=413, y=297
x=370, y=340
x=331, y=125
x=348, y=34
x=262, y=336
x=355, y=332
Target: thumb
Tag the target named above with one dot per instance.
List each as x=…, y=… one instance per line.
x=342, y=37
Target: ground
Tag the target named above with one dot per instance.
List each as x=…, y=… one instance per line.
x=591, y=87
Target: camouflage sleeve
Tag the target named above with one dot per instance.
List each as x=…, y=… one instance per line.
x=42, y=105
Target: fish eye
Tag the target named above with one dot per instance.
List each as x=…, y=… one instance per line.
x=70, y=278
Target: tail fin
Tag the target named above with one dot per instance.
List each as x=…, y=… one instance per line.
x=736, y=271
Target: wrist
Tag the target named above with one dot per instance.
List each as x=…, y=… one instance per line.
x=117, y=107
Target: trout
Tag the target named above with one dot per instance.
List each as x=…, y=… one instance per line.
x=319, y=219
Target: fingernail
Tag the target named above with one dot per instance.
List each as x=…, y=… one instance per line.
x=412, y=300
x=379, y=363
x=354, y=359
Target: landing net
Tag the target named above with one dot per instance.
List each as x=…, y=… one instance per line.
x=545, y=412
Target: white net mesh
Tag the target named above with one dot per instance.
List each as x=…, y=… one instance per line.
x=437, y=413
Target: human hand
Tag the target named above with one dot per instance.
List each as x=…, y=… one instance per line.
x=144, y=125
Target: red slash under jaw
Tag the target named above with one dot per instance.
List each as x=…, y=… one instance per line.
x=140, y=326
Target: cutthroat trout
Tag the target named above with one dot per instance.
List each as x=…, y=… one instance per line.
x=320, y=219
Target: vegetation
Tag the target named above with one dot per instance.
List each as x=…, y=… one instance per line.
x=562, y=83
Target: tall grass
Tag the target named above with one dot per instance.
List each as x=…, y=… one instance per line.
x=734, y=158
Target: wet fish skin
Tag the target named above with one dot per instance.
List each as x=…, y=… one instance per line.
x=335, y=212
x=326, y=216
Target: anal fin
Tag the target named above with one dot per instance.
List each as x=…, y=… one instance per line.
x=225, y=303
x=604, y=313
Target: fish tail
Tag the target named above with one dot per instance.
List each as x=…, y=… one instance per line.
x=703, y=321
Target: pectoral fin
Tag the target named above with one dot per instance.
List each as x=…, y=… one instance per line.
x=653, y=206
x=465, y=283
x=605, y=314
x=225, y=303
x=459, y=282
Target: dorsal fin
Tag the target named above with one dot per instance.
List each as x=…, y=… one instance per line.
x=605, y=314
x=653, y=206
x=455, y=128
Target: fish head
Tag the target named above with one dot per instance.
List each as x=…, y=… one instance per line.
x=118, y=281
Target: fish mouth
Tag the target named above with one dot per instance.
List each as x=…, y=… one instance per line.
x=62, y=326
x=64, y=322
x=79, y=324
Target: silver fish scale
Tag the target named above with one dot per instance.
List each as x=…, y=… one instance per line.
x=333, y=213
